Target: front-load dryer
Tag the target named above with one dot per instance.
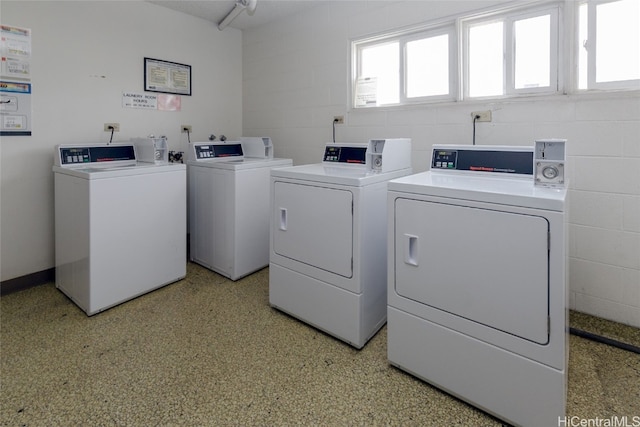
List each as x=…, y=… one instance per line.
x=328, y=237
x=229, y=205
x=120, y=224
x=477, y=282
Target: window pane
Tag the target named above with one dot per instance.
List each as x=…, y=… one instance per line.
x=428, y=67
x=486, y=71
x=583, y=35
x=618, y=41
x=383, y=61
x=532, y=52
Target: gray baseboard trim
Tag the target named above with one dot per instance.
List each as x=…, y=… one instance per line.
x=29, y=281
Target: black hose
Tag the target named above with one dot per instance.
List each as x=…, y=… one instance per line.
x=476, y=117
x=604, y=340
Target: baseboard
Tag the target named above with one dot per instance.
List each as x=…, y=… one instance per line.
x=28, y=281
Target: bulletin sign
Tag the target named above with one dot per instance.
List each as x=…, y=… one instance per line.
x=167, y=77
x=15, y=81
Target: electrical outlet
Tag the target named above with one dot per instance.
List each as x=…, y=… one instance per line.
x=339, y=120
x=115, y=126
x=482, y=116
x=185, y=128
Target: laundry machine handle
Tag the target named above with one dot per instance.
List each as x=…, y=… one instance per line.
x=411, y=249
x=283, y=219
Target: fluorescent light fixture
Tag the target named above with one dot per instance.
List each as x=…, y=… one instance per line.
x=249, y=5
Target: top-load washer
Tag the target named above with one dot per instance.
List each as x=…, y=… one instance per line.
x=229, y=204
x=120, y=224
x=477, y=282
x=328, y=237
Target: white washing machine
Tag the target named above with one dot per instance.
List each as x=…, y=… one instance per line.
x=120, y=225
x=229, y=205
x=328, y=237
x=478, y=282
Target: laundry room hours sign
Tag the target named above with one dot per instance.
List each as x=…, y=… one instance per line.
x=151, y=101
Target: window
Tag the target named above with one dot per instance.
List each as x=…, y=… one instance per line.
x=404, y=69
x=381, y=62
x=517, y=50
x=608, y=44
x=428, y=67
x=512, y=53
x=532, y=46
x=485, y=59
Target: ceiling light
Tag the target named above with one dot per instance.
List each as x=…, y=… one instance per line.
x=249, y=5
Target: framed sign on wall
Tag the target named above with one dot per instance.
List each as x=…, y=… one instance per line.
x=167, y=77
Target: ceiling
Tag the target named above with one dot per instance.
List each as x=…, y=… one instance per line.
x=215, y=10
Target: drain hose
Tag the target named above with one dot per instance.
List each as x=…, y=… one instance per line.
x=604, y=340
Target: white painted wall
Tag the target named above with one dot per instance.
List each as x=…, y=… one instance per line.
x=72, y=43
x=295, y=79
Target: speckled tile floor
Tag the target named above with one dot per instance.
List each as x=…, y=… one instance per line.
x=208, y=351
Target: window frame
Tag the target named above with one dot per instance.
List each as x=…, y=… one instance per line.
x=509, y=17
x=592, y=53
x=465, y=28
x=358, y=68
x=404, y=37
x=565, y=48
x=449, y=30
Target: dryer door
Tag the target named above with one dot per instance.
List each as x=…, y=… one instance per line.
x=314, y=225
x=487, y=266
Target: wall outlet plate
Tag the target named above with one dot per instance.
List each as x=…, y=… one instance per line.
x=482, y=116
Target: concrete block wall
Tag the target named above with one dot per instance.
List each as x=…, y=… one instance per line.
x=296, y=76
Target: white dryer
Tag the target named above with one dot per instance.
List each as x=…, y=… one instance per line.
x=120, y=225
x=328, y=237
x=477, y=282
x=229, y=205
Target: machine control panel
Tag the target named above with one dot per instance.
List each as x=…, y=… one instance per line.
x=484, y=159
x=343, y=154
x=213, y=151
x=76, y=155
x=445, y=159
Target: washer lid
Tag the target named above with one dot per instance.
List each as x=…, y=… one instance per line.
x=241, y=163
x=512, y=191
x=92, y=173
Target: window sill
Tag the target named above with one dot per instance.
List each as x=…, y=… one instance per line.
x=573, y=96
